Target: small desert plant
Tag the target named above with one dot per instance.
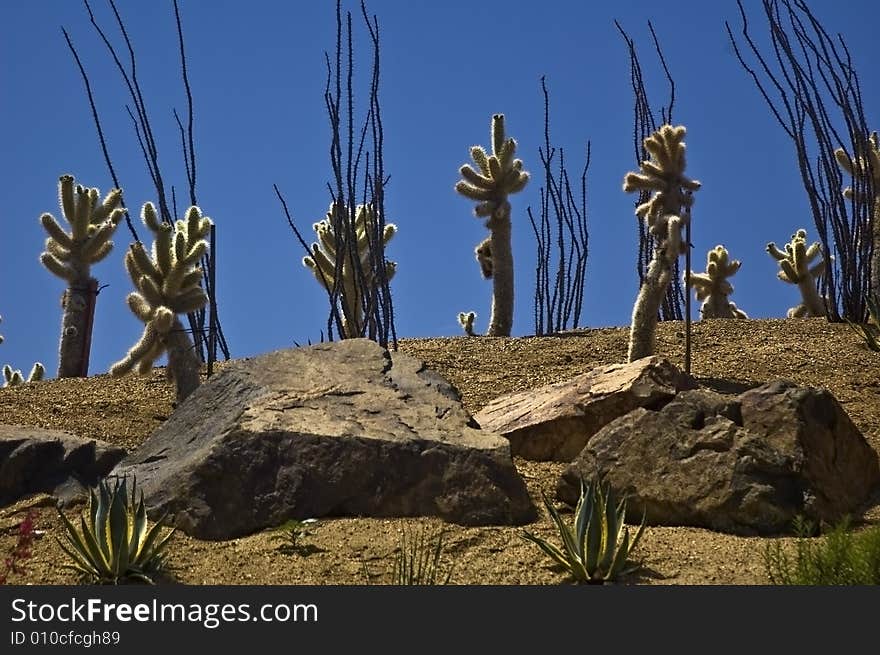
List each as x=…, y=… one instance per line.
x=870, y=331
x=22, y=549
x=292, y=531
x=596, y=548
x=13, y=377
x=842, y=557
x=418, y=561
x=115, y=543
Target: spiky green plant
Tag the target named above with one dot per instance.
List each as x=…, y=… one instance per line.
x=713, y=288
x=335, y=269
x=70, y=255
x=596, y=547
x=801, y=265
x=498, y=175
x=168, y=283
x=666, y=213
x=418, y=560
x=841, y=557
x=115, y=543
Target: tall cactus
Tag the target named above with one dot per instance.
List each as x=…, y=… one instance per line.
x=797, y=266
x=325, y=263
x=168, y=284
x=713, y=288
x=666, y=213
x=70, y=255
x=866, y=168
x=499, y=175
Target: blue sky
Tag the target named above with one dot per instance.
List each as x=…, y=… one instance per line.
x=257, y=74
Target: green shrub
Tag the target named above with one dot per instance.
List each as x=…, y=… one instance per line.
x=115, y=544
x=596, y=548
x=841, y=557
x=292, y=531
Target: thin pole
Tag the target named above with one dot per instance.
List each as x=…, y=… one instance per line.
x=687, y=297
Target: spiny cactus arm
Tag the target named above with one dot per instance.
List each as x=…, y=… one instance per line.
x=775, y=252
x=188, y=301
x=56, y=232
x=109, y=210
x=474, y=179
x=37, y=372
x=140, y=353
x=473, y=192
x=56, y=267
x=66, y=197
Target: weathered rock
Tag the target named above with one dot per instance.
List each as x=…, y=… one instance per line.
x=744, y=464
x=341, y=428
x=35, y=460
x=555, y=422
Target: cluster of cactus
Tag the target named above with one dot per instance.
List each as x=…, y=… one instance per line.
x=801, y=265
x=168, y=283
x=713, y=288
x=666, y=213
x=70, y=255
x=339, y=268
x=13, y=377
x=498, y=175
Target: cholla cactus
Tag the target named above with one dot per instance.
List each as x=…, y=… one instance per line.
x=797, y=266
x=69, y=255
x=13, y=377
x=666, y=213
x=331, y=247
x=713, y=288
x=466, y=321
x=866, y=167
x=499, y=175
x=168, y=284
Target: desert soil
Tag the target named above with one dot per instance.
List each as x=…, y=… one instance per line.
x=727, y=355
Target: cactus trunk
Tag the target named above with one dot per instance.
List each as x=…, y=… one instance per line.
x=812, y=300
x=76, y=327
x=647, y=307
x=183, y=365
x=501, y=321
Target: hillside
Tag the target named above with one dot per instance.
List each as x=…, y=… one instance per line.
x=727, y=356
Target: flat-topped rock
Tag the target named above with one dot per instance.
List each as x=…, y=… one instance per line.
x=342, y=428
x=554, y=422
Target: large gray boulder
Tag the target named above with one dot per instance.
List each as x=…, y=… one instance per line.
x=554, y=422
x=35, y=460
x=744, y=464
x=343, y=428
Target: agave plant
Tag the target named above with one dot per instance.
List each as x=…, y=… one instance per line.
x=115, y=543
x=596, y=548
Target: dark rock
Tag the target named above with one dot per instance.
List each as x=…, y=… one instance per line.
x=341, y=428
x=744, y=464
x=36, y=460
